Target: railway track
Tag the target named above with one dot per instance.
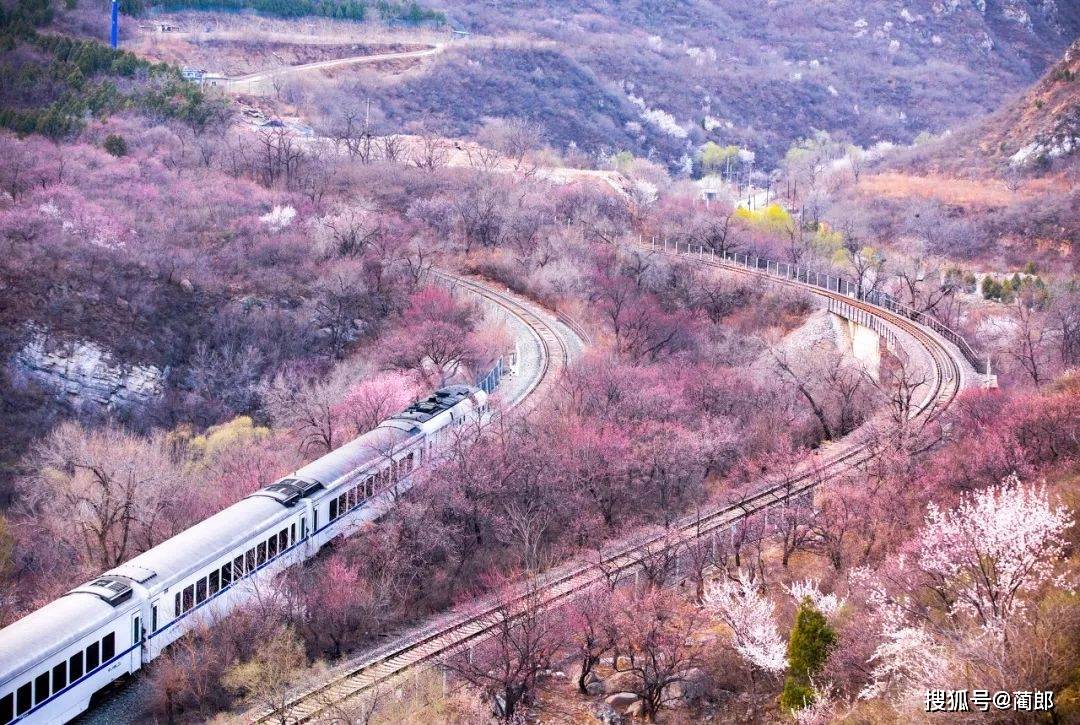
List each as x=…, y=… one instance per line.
x=423, y=646
x=552, y=339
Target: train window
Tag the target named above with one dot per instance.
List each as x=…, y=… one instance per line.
x=189, y=597
x=292, y=532
x=250, y=560
x=369, y=486
x=409, y=461
x=153, y=618
x=215, y=582
x=260, y=554
x=350, y=502
x=271, y=547
x=22, y=699
x=303, y=527
x=283, y=540
x=177, y=611
x=59, y=677
x=41, y=688
x=7, y=709
x=238, y=567
x=75, y=666
x=226, y=575
x=333, y=509
x=343, y=503
x=108, y=647
x=92, y=657
x=200, y=591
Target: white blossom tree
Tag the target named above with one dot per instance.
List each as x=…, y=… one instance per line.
x=1000, y=545
x=752, y=619
x=946, y=618
x=827, y=604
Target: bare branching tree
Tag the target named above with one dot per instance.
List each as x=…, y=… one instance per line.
x=432, y=154
x=524, y=639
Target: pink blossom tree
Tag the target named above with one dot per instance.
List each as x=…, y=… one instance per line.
x=374, y=399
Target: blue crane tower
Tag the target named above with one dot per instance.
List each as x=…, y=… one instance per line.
x=114, y=34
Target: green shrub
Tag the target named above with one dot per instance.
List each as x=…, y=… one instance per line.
x=115, y=145
x=811, y=641
x=79, y=79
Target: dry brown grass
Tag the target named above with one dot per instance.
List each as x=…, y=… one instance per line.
x=949, y=190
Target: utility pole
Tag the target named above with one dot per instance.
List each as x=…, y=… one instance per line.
x=114, y=34
x=749, y=188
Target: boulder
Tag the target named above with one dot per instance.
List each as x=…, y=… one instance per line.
x=619, y=681
x=635, y=710
x=607, y=715
x=621, y=699
x=596, y=687
x=690, y=688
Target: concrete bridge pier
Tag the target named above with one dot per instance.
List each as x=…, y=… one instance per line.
x=861, y=343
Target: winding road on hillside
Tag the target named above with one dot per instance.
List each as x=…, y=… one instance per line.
x=263, y=80
x=947, y=370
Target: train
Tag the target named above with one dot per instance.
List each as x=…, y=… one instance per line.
x=54, y=659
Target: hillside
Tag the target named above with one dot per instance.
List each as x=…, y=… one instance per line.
x=752, y=494
x=1035, y=133
x=660, y=78
x=998, y=192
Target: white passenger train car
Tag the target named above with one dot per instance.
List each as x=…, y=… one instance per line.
x=53, y=660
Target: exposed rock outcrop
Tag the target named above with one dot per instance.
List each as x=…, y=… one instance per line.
x=84, y=374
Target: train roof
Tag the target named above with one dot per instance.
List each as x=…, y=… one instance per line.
x=203, y=542
x=59, y=624
x=371, y=447
x=440, y=401
x=75, y=615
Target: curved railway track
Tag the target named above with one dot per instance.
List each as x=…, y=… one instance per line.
x=425, y=645
x=552, y=338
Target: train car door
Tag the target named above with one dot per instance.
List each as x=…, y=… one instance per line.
x=155, y=609
x=137, y=639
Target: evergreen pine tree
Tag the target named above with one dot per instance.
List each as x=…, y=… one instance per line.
x=811, y=640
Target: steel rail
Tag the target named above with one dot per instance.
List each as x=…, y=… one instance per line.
x=423, y=645
x=554, y=352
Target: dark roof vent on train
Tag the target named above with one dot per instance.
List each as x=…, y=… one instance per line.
x=110, y=589
x=288, y=491
x=439, y=401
